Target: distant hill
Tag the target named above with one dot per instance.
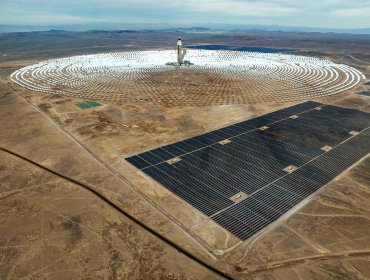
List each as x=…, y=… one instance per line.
x=102, y=26
x=23, y=28
x=302, y=29
x=189, y=29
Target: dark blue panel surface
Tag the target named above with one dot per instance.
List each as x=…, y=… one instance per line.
x=209, y=174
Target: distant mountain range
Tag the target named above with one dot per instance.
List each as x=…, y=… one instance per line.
x=206, y=28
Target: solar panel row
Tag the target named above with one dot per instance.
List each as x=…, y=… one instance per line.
x=253, y=161
x=267, y=205
x=203, y=198
x=165, y=153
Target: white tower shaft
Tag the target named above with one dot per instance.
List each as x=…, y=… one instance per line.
x=180, y=52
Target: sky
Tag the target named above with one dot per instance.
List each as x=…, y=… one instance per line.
x=309, y=13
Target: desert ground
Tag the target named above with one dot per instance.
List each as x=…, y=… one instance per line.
x=73, y=208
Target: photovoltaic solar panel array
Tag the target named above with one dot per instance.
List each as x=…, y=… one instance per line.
x=316, y=141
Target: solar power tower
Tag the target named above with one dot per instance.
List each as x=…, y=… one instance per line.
x=180, y=52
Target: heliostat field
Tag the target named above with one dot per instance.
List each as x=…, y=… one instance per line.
x=215, y=78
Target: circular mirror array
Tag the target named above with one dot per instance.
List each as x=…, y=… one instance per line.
x=216, y=78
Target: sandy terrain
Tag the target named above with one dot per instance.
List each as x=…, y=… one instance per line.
x=54, y=229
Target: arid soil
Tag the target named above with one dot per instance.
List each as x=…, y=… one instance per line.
x=51, y=228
